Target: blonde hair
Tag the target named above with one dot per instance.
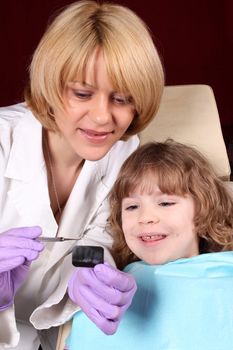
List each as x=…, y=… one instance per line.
x=180, y=170
x=132, y=61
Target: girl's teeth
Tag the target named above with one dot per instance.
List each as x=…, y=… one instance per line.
x=153, y=237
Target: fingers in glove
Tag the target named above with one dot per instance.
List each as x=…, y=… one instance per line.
x=101, y=284
x=97, y=302
x=115, y=278
x=87, y=277
x=7, y=241
x=108, y=326
x=88, y=292
x=11, y=263
x=26, y=232
x=105, y=275
x=15, y=258
x=112, y=295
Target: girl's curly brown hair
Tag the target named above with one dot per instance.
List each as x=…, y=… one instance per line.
x=180, y=170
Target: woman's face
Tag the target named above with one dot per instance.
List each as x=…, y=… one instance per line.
x=95, y=115
x=159, y=227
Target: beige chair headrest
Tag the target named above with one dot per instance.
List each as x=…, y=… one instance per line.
x=188, y=114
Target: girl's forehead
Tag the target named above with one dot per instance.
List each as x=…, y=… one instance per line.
x=148, y=184
x=151, y=182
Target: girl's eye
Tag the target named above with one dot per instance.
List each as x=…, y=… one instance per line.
x=166, y=204
x=131, y=207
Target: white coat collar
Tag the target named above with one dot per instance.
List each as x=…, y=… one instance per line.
x=26, y=170
x=26, y=155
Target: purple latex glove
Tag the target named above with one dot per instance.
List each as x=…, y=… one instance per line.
x=18, y=248
x=104, y=293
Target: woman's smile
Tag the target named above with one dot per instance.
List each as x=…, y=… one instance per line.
x=95, y=136
x=95, y=116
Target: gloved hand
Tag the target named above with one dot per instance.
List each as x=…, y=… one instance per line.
x=104, y=293
x=18, y=248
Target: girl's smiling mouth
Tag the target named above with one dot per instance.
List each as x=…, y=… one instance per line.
x=152, y=237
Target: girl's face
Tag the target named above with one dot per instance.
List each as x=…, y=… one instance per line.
x=95, y=115
x=159, y=227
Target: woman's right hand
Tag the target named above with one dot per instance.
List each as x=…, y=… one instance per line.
x=104, y=293
x=18, y=248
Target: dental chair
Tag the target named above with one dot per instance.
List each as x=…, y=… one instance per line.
x=188, y=114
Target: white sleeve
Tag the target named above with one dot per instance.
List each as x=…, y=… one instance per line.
x=9, y=335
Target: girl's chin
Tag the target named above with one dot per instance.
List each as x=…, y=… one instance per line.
x=156, y=261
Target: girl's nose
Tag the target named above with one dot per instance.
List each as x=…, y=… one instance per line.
x=148, y=217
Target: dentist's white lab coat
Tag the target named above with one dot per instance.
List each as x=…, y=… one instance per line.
x=24, y=200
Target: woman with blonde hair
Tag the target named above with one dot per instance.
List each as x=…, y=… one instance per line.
x=96, y=80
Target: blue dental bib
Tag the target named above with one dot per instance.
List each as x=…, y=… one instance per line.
x=182, y=305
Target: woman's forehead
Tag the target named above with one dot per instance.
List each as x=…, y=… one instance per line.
x=90, y=72
x=96, y=61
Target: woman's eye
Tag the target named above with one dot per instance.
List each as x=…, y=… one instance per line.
x=166, y=204
x=121, y=100
x=82, y=94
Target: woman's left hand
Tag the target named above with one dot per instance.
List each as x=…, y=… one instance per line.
x=104, y=293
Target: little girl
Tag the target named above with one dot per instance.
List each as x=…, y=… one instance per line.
x=172, y=223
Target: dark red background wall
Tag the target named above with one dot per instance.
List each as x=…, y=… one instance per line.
x=195, y=40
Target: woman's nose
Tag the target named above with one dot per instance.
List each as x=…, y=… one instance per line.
x=100, y=112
